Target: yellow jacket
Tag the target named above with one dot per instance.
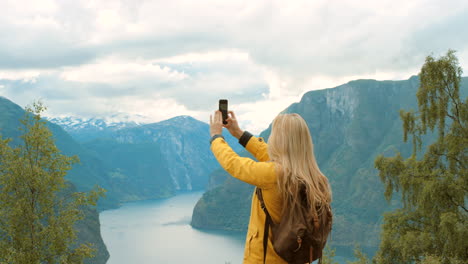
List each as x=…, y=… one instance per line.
x=263, y=175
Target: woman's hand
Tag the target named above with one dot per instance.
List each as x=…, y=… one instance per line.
x=232, y=126
x=216, y=125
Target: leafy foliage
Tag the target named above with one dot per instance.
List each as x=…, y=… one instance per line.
x=361, y=257
x=36, y=219
x=328, y=255
x=432, y=224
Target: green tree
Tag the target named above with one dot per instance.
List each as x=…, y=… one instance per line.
x=37, y=209
x=432, y=225
x=328, y=255
x=361, y=258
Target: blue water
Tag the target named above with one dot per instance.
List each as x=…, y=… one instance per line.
x=159, y=231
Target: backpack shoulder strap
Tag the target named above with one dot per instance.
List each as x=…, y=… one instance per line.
x=268, y=222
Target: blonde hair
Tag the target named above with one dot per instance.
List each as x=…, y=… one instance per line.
x=290, y=147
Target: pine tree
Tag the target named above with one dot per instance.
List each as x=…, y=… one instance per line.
x=432, y=225
x=37, y=209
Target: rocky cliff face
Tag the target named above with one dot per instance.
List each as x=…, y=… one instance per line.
x=184, y=148
x=350, y=125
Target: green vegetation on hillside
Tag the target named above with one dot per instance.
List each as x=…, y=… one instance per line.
x=433, y=222
x=216, y=213
x=38, y=212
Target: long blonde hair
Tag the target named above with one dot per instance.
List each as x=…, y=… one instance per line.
x=290, y=147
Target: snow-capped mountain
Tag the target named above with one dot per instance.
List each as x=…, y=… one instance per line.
x=147, y=161
x=179, y=144
x=85, y=129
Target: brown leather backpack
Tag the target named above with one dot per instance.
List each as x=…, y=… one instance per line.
x=298, y=238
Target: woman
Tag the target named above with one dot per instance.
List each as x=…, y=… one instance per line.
x=285, y=164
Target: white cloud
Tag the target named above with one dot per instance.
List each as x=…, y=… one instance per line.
x=261, y=55
x=293, y=37
x=108, y=19
x=206, y=57
x=24, y=75
x=152, y=109
x=114, y=71
x=255, y=117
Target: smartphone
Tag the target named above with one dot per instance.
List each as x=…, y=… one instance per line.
x=223, y=107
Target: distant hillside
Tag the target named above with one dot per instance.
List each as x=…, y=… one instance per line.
x=350, y=125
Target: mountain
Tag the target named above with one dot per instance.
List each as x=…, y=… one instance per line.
x=138, y=162
x=88, y=229
x=172, y=154
x=86, y=129
x=350, y=125
x=146, y=161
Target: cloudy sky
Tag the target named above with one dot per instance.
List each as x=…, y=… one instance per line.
x=160, y=59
